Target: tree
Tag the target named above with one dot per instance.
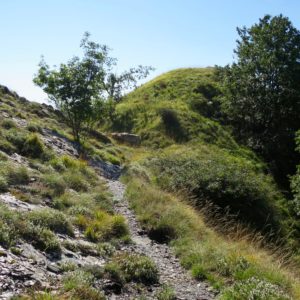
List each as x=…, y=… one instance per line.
x=295, y=181
x=263, y=92
x=81, y=88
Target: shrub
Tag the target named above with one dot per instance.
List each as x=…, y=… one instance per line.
x=17, y=138
x=51, y=219
x=42, y=238
x=3, y=184
x=81, y=211
x=58, y=164
x=134, y=267
x=105, y=249
x=227, y=181
x=55, y=183
x=33, y=146
x=8, y=124
x=254, y=288
x=166, y=293
x=71, y=163
x=34, y=127
x=14, y=174
x=79, y=283
x=104, y=227
x=67, y=266
x=172, y=124
x=76, y=181
x=14, y=225
x=115, y=273
x=199, y=272
x=66, y=200
x=6, y=146
x=8, y=237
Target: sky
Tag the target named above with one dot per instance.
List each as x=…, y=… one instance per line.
x=165, y=34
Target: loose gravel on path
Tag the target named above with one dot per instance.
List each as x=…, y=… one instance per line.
x=171, y=272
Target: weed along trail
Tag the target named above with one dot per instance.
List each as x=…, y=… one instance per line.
x=170, y=271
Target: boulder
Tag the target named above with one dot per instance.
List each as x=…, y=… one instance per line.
x=129, y=138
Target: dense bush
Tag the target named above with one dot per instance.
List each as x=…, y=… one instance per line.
x=295, y=181
x=262, y=93
x=17, y=138
x=226, y=181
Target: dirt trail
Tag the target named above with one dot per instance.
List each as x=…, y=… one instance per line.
x=171, y=272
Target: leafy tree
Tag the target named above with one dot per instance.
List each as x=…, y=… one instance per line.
x=83, y=88
x=263, y=92
x=295, y=181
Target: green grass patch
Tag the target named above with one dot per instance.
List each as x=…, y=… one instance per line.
x=208, y=254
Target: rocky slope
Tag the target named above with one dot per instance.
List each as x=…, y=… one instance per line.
x=25, y=268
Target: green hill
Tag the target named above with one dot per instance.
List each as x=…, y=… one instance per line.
x=194, y=186
x=173, y=107
x=178, y=114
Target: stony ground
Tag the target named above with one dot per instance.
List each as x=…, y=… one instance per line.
x=170, y=270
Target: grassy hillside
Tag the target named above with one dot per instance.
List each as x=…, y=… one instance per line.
x=178, y=114
x=172, y=108
x=201, y=191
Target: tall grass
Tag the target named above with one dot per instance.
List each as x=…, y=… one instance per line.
x=208, y=254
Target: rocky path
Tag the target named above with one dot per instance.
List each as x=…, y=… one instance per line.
x=34, y=269
x=171, y=272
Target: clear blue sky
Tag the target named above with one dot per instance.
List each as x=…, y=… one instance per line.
x=166, y=34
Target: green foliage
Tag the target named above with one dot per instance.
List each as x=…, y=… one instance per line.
x=13, y=174
x=207, y=253
x=17, y=138
x=78, y=87
x=132, y=267
x=3, y=184
x=8, y=124
x=172, y=124
x=254, y=288
x=34, y=127
x=14, y=226
x=104, y=226
x=166, y=293
x=55, y=183
x=33, y=147
x=230, y=182
x=295, y=181
x=6, y=146
x=161, y=111
x=51, y=219
x=80, y=284
x=41, y=238
x=262, y=90
x=76, y=181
